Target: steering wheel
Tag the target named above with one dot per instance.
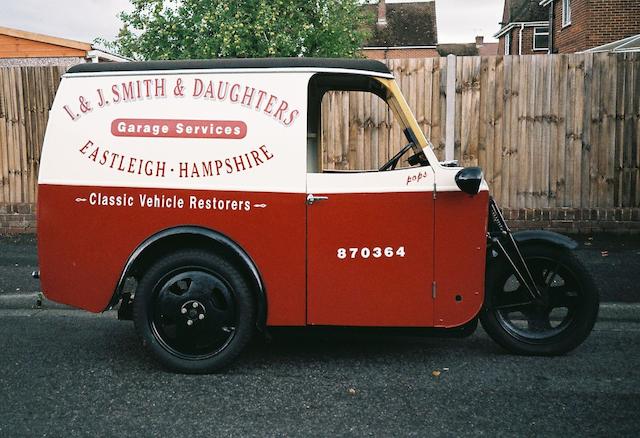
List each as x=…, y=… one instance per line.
x=393, y=162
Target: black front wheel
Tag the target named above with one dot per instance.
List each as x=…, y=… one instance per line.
x=553, y=324
x=194, y=311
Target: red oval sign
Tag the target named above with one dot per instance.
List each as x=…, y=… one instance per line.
x=177, y=128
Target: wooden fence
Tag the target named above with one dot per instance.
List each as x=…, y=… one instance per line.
x=26, y=95
x=549, y=131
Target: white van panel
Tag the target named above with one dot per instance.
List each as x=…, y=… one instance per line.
x=192, y=131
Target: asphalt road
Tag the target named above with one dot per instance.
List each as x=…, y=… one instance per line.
x=614, y=262
x=18, y=259
x=70, y=373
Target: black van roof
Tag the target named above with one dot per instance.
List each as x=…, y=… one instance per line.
x=368, y=65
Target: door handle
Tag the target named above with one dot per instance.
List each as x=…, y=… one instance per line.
x=311, y=199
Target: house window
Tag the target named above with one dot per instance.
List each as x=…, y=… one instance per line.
x=566, y=12
x=540, y=38
x=507, y=44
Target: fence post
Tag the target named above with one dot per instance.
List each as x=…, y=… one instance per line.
x=450, y=123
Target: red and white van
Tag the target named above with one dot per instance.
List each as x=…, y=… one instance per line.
x=191, y=194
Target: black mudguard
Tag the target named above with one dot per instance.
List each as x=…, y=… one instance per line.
x=543, y=236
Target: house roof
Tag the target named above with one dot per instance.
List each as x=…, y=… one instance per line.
x=488, y=49
x=408, y=25
x=468, y=49
x=45, y=38
x=462, y=49
x=63, y=47
x=521, y=11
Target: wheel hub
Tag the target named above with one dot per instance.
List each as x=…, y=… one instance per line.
x=193, y=311
x=541, y=304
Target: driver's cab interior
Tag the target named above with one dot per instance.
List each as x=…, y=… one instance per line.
x=320, y=87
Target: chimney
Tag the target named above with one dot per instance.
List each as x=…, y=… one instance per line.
x=382, y=14
x=479, y=41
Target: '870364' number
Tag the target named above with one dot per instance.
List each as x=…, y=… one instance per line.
x=365, y=252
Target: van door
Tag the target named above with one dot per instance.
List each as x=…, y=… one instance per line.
x=370, y=248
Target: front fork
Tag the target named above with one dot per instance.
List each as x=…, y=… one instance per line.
x=500, y=239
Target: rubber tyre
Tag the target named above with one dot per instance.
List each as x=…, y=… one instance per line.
x=147, y=298
x=584, y=314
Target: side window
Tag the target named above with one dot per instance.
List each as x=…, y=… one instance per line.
x=566, y=12
x=351, y=130
x=540, y=38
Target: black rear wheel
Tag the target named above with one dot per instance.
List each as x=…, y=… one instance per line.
x=554, y=324
x=194, y=311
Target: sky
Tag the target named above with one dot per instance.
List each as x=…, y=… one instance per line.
x=459, y=21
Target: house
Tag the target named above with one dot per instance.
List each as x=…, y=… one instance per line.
x=484, y=48
x=479, y=48
x=402, y=30
x=22, y=48
x=524, y=28
x=582, y=25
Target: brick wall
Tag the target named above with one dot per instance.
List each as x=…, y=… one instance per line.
x=514, y=42
x=21, y=218
x=527, y=42
x=400, y=53
x=613, y=20
x=575, y=220
x=594, y=23
x=17, y=218
x=572, y=38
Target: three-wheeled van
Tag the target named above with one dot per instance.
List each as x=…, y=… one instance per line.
x=191, y=194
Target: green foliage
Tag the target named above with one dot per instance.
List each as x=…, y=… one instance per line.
x=204, y=29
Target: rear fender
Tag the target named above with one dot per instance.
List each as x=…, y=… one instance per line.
x=546, y=237
x=153, y=247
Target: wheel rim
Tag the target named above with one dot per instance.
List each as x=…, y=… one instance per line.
x=193, y=313
x=536, y=321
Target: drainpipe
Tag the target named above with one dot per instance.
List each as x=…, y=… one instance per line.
x=551, y=38
x=520, y=39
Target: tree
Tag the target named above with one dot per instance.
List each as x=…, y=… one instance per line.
x=201, y=29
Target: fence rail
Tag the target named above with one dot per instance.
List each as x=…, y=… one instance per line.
x=549, y=131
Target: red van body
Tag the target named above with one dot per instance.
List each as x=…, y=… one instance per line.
x=127, y=155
